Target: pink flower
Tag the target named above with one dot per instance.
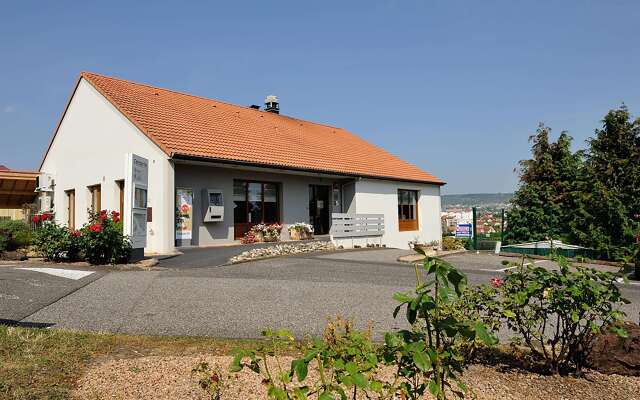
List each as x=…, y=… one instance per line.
x=36, y=218
x=76, y=233
x=496, y=282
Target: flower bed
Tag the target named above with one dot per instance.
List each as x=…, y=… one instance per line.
x=101, y=241
x=263, y=233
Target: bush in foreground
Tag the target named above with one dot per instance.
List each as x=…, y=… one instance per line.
x=428, y=358
x=556, y=313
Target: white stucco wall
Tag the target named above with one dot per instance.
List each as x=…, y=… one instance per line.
x=90, y=148
x=294, y=197
x=381, y=197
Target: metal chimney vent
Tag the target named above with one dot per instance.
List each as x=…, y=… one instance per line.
x=271, y=104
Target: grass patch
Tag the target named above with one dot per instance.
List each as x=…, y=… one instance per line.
x=46, y=363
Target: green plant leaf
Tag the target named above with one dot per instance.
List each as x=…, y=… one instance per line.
x=276, y=393
x=484, y=336
x=325, y=396
x=300, y=367
x=619, y=331
x=421, y=360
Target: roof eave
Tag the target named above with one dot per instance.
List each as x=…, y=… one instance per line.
x=188, y=157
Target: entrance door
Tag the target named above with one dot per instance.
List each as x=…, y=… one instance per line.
x=319, y=208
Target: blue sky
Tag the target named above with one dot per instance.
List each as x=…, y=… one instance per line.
x=455, y=87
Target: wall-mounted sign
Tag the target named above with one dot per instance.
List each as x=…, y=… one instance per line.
x=136, y=185
x=184, y=213
x=464, y=231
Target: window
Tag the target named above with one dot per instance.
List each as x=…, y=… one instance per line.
x=140, y=198
x=408, y=210
x=71, y=208
x=95, y=193
x=120, y=185
x=254, y=203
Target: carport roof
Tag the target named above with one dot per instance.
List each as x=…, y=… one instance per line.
x=187, y=126
x=17, y=188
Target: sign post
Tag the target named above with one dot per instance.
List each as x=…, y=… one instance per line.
x=136, y=184
x=475, y=232
x=463, y=231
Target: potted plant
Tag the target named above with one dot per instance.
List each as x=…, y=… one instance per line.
x=258, y=232
x=300, y=231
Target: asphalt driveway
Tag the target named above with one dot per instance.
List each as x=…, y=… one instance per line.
x=25, y=289
x=297, y=293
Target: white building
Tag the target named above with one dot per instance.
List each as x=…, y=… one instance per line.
x=259, y=166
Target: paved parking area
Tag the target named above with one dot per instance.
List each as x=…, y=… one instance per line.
x=27, y=289
x=297, y=293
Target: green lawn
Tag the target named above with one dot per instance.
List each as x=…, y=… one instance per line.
x=45, y=363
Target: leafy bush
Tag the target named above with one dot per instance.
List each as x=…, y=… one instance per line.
x=452, y=243
x=14, y=235
x=558, y=313
x=99, y=242
x=51, y=240
x=346, y=360
x=478, y=304
x=102, y=240
x=428, y=357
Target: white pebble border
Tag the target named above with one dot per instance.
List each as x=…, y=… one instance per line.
x=281, y=250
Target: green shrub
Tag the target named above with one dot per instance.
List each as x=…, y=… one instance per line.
x=452, y=243
x=558, y=313
x=431, y=356
x=51, y=240
x=14, y=235
x=99, y=242
x=102, y=241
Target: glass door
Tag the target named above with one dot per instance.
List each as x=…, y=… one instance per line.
x=319, y=208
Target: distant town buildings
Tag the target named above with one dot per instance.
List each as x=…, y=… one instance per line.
x=487, y=222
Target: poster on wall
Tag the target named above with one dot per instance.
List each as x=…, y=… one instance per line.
x=184, y=213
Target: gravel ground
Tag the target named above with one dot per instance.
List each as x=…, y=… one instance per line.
x=170, y=378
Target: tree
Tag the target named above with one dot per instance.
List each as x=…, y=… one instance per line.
x=542, y=205
x=608, y=211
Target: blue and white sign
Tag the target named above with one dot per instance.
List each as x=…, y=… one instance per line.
x=464, y=231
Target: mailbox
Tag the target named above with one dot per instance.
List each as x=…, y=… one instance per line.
x=213, y=203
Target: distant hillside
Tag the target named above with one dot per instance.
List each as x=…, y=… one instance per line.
x=476, y=199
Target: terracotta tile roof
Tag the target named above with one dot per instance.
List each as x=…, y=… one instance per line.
x=187, y=125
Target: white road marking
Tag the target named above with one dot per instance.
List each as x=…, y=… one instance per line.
x=63, y=273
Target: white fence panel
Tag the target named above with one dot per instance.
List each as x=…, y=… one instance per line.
x=356, y=225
